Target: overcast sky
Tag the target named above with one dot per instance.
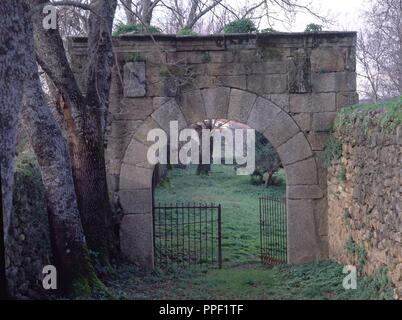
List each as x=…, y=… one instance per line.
x=346, y=14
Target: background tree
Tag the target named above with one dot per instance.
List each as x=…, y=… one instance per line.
x=139, y=11
x=266, y=159
x=211, y=16
x=379, y=50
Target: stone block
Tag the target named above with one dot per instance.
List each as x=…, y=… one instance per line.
x=302, y=173
x=135, y=177
x=328, y=59
x=344, y=99
x=122, y=128
x=267, y=84
x=216, y=102
x=240, y=43
x=321, y=102
x=221, y=56
x=281, y=100
x=269, y=67
x=323, y=121
x=282, y=129
x=262, y=114
x=299, y=72
x=216, y=44
x=136, y=154
x=134, y=80
x=303, y=120
x=192, y=106
x=238, y=82
x=303, y=240
x=240, y=105
x=294, y=150
x=168, y=112
x=228, y=69
x=187, y=57
x=334, y=82
x=141, y=133
x=304, y=192
x=136, y=239
x=165, y=86
x=157, y=102
x=318, y=140
x=136, y=201
x=135, y=108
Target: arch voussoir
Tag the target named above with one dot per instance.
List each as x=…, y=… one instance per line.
x=169, y=111
x=216, y=101
x=295, y=149
x=135, y=177
x=281, y=129
x=262, y=114
x=240, y=105
x=192, y=105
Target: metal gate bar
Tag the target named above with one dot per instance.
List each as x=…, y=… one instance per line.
x=273, y=230
x=188, y=234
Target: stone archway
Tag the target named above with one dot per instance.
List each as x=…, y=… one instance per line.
x=261, y=114
x=288, y=86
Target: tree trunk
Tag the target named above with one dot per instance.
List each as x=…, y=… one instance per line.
x=12, y=75
x=85, y=117
x=270, y=180
x=3, y=278
x=93, y=199
x=128, y=11
x=76, y=274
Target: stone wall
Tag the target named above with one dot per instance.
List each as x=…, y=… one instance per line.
x=28, y=245
x=284, y=85
x=365, y=197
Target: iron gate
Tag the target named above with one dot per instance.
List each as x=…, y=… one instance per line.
x=273, y=230
x=188, y=235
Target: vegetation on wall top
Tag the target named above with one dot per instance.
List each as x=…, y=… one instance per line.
x=135, y=28
x=186, y=31
x=312, y=27
x=240, y=26
x=390, y=114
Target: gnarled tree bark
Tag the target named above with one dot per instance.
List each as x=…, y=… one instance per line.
x=75, y=271
x=85, y=116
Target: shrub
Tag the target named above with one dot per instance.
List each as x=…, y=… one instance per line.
x=256, y=179
x=268, y=30
x=135, y=28
x=240, y=26
x=332, y=151
x=312, y=27
x=186, y=32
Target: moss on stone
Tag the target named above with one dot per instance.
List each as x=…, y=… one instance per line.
x=332, y=151
x=389, y=115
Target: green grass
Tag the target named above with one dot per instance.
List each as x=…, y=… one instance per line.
x=239, y=200
x=313, y=281
x=242, y=276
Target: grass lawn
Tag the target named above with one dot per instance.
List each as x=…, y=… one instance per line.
x=240, y=206
x=242, y=276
